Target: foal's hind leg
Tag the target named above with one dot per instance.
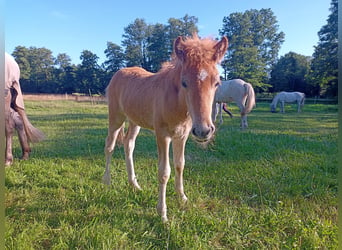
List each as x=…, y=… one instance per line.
x=129, y=143
x=113, y=132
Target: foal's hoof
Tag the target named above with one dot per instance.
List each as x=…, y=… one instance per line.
x=136, y=186
x=164, y=219
x=183, y=199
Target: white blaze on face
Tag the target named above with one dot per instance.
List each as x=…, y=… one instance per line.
x=202, y=75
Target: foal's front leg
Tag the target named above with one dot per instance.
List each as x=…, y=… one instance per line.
x=178, y=147
x=163, y=144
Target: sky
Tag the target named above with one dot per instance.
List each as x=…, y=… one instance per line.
x=71, y=26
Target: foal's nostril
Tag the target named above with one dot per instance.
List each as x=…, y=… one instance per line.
x=212, y=128
x=204, y=132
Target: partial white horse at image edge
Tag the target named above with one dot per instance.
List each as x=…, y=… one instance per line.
x=238, y=91
x=288, y=97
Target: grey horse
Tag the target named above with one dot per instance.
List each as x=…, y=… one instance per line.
x=15, y=116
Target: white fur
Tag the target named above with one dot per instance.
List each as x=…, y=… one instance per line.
x=202, y=75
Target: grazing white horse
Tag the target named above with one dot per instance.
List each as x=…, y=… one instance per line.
x=239, y=91
x=15, y=116
x=283, y=97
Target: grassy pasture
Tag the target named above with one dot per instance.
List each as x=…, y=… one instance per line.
x=273, y=186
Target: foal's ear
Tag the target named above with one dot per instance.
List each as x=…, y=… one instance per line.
x=178, y=47
x=220, y=49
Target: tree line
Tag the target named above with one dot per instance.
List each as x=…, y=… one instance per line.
x=254, y=43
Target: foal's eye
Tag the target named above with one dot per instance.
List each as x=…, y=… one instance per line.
x=217, y=84
x=184, y=84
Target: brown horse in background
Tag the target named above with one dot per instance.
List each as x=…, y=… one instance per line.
x=15, y=116
x=173, y=102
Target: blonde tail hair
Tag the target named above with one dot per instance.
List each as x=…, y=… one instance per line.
x=250, y=103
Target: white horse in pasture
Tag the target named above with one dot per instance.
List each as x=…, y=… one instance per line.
x=239, y=91
x=15, y=116
x=283, y=97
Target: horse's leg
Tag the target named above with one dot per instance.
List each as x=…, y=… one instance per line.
x=244, y=123
x=163, y=143
x=129, y=143
x=220, y=110
x=282, y=105
x=113, y=132
x=214, y=111
x=178, y=146
x=19, y=125
x=9, y=128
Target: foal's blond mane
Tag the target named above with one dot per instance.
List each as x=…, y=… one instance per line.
x=196, y=52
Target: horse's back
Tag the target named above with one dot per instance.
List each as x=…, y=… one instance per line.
x=231, y=89
x=226, y=91
x=12, y=71
x=132, y=92
x=127, y=80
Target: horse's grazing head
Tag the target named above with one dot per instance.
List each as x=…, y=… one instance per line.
x=199, y=79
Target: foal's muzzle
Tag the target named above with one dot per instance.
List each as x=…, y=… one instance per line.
x=203, y=134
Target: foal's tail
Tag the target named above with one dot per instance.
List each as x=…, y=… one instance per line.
x=250, y=103
x=33, y=134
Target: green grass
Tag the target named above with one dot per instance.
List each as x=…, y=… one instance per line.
x=273, y=186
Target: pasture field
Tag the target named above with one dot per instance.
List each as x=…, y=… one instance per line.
x=272, y=186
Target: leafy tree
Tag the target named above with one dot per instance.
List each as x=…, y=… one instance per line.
x=42, y=63
x=63, y=60
x=69, y=81
x=135, y=43
x=149, y=45
x=64, y=83
x=324, y=67
x=21, y=55
x=158, y=47
x=88, y=73
x=184, y=26
x=254, y=43
x=36, y=66
x=115, y=58
x=289, y=73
